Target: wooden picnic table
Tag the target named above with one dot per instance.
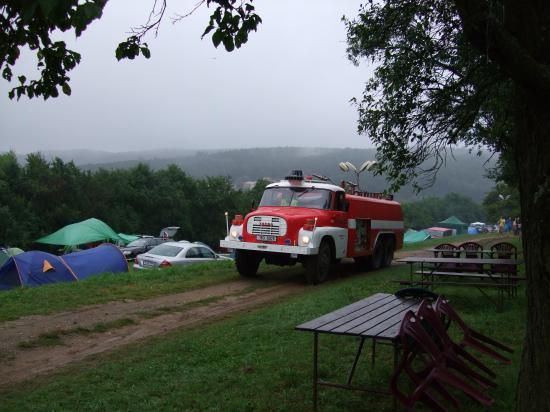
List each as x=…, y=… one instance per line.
x=377, y=317
x=500, y=273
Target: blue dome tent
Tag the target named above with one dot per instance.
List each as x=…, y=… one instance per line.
x=36, y=268
x=101, y=259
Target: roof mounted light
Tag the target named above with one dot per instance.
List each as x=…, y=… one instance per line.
x=295, y=175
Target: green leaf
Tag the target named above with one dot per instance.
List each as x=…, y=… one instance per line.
x=235, y=20
x=66, y=89
x=11, y=94
x=217, y=38
x=208, y=29
x=119, y=52
x=6, y=73
x=241, y=37
x=146, y=52
x=228, y=43
x=22, y=79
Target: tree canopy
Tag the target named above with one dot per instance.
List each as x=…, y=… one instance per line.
x=431, y=90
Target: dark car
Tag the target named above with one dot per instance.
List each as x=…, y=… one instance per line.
x=141, y=245
x=146, y=243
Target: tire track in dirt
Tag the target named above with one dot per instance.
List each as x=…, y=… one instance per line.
x=30, y=327
x=23, y=364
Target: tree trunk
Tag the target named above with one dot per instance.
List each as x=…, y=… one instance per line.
x=532, y=150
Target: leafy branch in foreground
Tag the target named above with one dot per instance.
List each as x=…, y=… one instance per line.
x=32, y=24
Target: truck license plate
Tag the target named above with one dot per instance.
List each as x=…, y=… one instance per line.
x=266, y=238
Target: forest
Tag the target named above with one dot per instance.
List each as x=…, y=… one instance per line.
x=39, y=196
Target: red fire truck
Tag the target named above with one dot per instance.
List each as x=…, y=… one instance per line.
x=317, y=223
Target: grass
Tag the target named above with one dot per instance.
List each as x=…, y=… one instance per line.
x=135, y=285
x=258, y=362
x=54, y=338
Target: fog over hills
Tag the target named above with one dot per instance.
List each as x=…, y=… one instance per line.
x=464, y=172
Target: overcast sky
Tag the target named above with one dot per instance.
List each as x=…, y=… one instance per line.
x=290, y=85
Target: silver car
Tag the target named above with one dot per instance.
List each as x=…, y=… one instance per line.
x=176, y=253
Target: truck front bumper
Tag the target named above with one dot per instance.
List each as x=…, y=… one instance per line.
x=267, y=247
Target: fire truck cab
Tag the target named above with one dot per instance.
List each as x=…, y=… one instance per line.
x=316, y=223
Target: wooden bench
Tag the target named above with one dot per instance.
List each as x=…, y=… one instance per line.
x=436, y=283
x=497, y=280
x=470, y=275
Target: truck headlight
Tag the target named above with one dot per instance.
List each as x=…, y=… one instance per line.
x=234, y=234
x=305, y=239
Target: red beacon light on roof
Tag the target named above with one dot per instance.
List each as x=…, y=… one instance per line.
x=238, y=220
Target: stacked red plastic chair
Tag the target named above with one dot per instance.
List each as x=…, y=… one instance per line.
x=438, y=370
x=471, y=337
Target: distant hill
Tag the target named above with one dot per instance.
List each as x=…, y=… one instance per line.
x=90, y=157
x=465, y=174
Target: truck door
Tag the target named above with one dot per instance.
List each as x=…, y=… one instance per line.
x=339, y=215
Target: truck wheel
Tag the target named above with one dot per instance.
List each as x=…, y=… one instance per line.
x=318, y=267
x=247, y=263
x=375, y=261
x=388, y=252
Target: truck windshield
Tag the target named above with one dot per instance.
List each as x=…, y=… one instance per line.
x=297, y=196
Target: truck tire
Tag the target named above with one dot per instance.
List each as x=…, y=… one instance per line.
x=247, y=263
x=376, y=260
x=388, y=252
x=318, y=266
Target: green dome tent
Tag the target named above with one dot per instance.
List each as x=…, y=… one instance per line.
x=454, y=223
x=88, y=231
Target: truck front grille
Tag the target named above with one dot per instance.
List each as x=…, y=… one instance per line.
x=266, y=225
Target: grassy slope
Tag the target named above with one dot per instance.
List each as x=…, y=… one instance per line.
x=257, y=361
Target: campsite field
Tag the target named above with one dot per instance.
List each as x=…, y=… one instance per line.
x=255, y=361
